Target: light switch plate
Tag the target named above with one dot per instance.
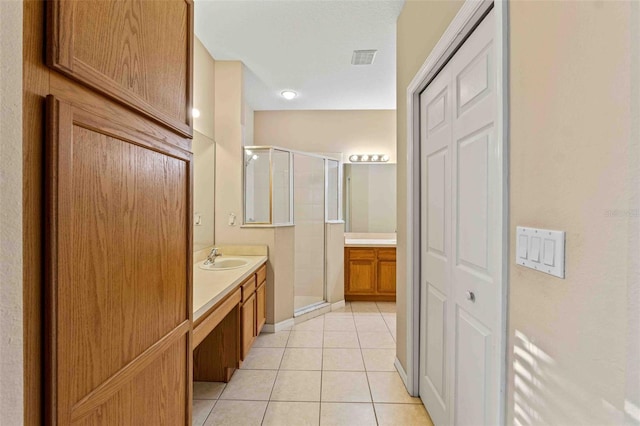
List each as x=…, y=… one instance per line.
x=541, y=249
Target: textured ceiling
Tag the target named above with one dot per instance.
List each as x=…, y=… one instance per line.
x=305, y=46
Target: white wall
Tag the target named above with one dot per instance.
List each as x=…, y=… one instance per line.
x=11, y=334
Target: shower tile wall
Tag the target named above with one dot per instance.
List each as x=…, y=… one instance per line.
x=309, y=221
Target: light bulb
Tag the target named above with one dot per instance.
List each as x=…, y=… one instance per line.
x=249, y=152
x=195, y=112
x=353, y=158
x=255, y=156
x=288, y=94
x=364, y=158
x=385, y=158
x=375, y=158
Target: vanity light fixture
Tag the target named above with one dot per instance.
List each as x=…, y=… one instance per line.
x=195, y=112
x=288, y=94
x=369, y=158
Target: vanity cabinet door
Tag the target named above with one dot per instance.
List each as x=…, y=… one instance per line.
x=261, y=307
x=386, y=282
x=248, y=326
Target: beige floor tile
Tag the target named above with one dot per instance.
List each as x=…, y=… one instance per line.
x=263, y=359
x=345, y=309
x=342, y=360
x=272, y=340
x=373, y=323
x=376, y=340
x=292, y=414
x=252, y=385
x=338, y=386
x=402, y=414
x=347, y=414
x=207, y=390
x=315, y=324
x=385, y=307
x=339, y=323
x=364, y=307
x=305, y=339
x=302, y=359
x=201, y=410
x=379, y=359
x=297, y=386
x=341, y=339
x=237, y=413
x=388, y=387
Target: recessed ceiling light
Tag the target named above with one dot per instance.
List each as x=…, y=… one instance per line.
x=288, y=94
x=195, y=112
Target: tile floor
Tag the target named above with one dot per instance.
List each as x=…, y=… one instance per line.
x=336, y=369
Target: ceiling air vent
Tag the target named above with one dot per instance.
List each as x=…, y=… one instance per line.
x=363, y=57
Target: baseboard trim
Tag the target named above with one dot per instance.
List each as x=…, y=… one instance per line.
x=282, y=325
x=338, y=305
x=403, y=374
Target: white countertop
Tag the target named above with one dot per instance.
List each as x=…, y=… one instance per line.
x=209, y=287
x=370, y=239
x=369, y=242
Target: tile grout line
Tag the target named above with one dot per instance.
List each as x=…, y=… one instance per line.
x=276, y=379
x=321, y=371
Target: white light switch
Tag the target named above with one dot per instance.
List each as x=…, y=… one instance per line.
x=523, y=244
x=541, y=249
x=548, y=251
x=534, y=251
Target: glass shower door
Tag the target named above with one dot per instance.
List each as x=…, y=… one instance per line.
x=309, y=211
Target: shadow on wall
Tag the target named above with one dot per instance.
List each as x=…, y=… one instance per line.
x=543, y=395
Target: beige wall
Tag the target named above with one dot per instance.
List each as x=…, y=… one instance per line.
x=229, y=193
x=203, y=89
x=347, y=132
x=420, y=26
x=11, y=343
x=572, y=162
x=573, y=343
x=204, y=177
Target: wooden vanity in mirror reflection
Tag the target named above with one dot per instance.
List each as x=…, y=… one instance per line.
x=370, y=267
x=229, y=311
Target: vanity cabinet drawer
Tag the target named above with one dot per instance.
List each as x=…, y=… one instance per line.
x=248, y=288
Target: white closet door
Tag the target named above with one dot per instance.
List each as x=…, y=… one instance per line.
x=462, y=295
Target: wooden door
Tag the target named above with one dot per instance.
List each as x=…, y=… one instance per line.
x=461, y=308
x=137, y=52
x=261, y=307
x=360, y=270
x=248, y=324
x=386, y=282
x=118, y=271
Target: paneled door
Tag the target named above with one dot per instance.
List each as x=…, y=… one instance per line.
x=118, y=282
x=461, y=241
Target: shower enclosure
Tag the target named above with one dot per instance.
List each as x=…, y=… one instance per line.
x=284, y=187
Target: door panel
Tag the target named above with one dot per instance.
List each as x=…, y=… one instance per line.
x=118, y=271
x=435, y=134
x=462, y=221
x=386, y=281
x=137, y=52
x=473, y=343
x=362, y=276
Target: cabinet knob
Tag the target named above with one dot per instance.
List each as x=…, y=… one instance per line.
x=471, y=296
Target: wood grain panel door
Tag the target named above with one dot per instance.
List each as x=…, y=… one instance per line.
x=248, y=325
x=118, y=302
x=138, y=52
x=261, y=307
x=386, y=283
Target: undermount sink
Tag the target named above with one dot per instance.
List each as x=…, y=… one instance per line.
x=224, y=264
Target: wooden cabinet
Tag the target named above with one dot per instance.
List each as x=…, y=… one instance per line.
x=108, y=209
x=370, y=273
x=253, y=310
x=136, y=52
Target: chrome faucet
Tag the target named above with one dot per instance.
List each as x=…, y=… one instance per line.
x=211, y=259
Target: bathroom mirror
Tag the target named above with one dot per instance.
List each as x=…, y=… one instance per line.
x=204, y=160
x=370, y=198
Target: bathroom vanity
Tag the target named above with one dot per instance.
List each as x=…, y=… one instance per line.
x=229, y=306
x=370, y=267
